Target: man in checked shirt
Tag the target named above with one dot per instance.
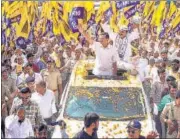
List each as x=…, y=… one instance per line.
x=31, y=108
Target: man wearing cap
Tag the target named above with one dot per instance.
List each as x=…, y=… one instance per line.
x=53, y=79
x=134, y=131
x=172, y=111
x=18, y=52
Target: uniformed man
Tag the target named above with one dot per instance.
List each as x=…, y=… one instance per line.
x=172, y=111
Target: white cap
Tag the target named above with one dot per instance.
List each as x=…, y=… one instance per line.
x=136, y=19
x=123, y=28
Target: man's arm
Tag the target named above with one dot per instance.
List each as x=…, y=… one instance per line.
x=85, y=34
x=59, y=82
x=67, y=65
x=39, y=118
x=164, y=114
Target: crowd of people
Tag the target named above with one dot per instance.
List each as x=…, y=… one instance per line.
x=34, y=77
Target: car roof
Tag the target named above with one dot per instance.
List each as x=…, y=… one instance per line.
x=80, y=72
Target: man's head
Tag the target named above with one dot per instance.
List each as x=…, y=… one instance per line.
x=104, y=39
x=45, y=56
x=42, y=132
x=30, y=81
x=50, y=64
x=28, y=68
x=156, y=54
x=123, y=30
x=30, y=58
x=134, y=129
x=56, y=47
x=135, y=43
x=164, y=54
x=151, y=61
x=25, y=95
x=41, y=87
x=170, y=79
x=60, y=52
x=4, y=73
x=162, y=74
x=175, y=65
x=144, y=54
x=78, y=54
x=157, y=62
x=91, y=121
x=21, y=114
x=173, y=89
x=19, y=60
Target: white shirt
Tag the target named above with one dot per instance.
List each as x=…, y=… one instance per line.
x=37, y=77
x=105, y=57
x=45, y=102
x=20, y=79
x=16, y=130
x=143, y=62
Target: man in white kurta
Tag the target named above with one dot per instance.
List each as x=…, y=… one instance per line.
x=17, y=126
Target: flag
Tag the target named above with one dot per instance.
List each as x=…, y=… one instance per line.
x=123, y=20
x=105, y=7
x=23, y=28
x=172, y=10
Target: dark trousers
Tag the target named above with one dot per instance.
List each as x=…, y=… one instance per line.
x=158, y=124
x=3, y=126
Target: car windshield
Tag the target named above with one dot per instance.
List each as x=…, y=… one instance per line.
x=110, y=103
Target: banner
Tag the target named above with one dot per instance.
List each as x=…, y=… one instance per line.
x=129, y=13
x=122, y=4
x=107, y=14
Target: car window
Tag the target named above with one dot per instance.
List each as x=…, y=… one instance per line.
x=110, y=103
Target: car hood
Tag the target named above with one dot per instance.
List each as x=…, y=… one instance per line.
x=110, y=129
